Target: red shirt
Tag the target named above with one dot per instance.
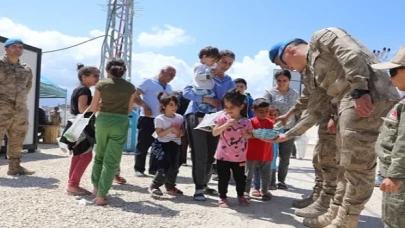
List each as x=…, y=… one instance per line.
x=258, y=150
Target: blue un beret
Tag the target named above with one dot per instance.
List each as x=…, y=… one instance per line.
x=285, y=44
x=12, y=41
x=273, y=52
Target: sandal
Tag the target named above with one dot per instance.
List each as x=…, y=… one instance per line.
x=267, y=196
x=77, y=191
x=243, y=201
x=256, y=193
x=120, y=180
x=100, y=201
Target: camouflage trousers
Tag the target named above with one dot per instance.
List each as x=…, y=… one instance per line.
x=393, y=208
x=324, y=160
x=356, y=156
x=15, y=124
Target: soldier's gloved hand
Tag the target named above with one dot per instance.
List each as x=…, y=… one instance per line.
x=364, y=107
x=390, y=185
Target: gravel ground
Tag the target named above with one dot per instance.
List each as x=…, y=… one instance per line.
x=41, y=201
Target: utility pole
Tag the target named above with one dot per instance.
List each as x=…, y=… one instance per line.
x=382, y=54
x=118, y=31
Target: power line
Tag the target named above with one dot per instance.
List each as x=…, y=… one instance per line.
x=62, y=49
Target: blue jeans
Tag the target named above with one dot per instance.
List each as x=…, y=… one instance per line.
x=256, y=176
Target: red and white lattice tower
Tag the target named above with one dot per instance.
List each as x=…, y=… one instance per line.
x=118, y=40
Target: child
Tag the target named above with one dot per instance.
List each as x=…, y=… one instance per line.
x=82, y=149
x=117, y=96
x=203, y=81
x=273, y=115
x=232, y=128
x=390, y=148
x=167, y=146
x=259, y=153
x=241, y=86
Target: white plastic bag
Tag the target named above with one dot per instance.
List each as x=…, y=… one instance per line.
x=79, y=123
x=63, y=146
x=207, y=123
x=301, y=143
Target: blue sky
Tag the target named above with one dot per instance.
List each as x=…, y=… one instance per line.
x=246, y=27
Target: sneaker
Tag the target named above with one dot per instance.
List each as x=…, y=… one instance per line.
x=266, y=196
x=273, y=187
x=223, y=203
x=152, y=172
x=174, y=191
x=139, y=174
x=199, y=195
x=210, y=191
x=155, y=191
x=282, y=186
x=243, y=201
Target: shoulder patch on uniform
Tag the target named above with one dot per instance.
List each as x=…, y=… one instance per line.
x=393, y=114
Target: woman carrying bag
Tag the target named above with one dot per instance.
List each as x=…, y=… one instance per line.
x=82, y=147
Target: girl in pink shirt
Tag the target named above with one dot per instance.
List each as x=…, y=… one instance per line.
x=233, y=128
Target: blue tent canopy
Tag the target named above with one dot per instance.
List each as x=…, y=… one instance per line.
x=48, y=89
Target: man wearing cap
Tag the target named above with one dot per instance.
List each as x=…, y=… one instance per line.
x=15, y=84
x=339, y=67
x=390, y=148
x=324, y=157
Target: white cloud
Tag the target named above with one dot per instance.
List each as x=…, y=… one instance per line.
x=60, y=67
x=166, y=37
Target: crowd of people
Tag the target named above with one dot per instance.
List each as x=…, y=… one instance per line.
x=348, y=94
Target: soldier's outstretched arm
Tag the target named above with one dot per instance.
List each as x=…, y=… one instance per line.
x=347, y=51
x=397, y=168
x=302, y=103
x=318, y=104
x=304, y=123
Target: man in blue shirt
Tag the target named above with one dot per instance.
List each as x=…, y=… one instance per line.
x=147, y=93
x=203, y=144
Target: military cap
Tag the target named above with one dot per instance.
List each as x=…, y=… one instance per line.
x=285, y=44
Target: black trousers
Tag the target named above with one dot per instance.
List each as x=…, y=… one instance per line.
x=184, y=146
x=168, y=166
x=224, y=174
x=203, y=145
x=146, y=127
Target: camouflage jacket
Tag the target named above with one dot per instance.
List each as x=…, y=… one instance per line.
x=15, y=84
x=390, y=145
x=338, y=64
x=314, y=106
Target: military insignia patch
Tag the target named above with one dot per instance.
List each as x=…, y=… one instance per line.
x=393, y=114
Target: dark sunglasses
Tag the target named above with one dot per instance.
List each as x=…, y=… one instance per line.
x=394, y=71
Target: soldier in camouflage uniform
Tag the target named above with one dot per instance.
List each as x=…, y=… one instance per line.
x=339, y=67
x=324, y=156
x=390, y=149
x=15, y=84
